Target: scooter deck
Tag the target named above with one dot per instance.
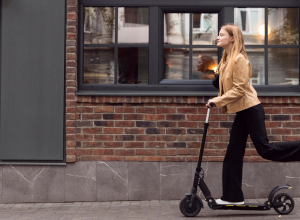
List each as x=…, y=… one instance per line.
x=246, y=206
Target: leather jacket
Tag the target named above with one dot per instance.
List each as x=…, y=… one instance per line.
x=235, y=90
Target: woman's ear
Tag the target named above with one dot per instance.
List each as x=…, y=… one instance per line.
x=232, y=39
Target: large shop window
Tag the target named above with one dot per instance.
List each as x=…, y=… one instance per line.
x=174, y=49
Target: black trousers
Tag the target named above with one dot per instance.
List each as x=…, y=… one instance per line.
x=251, y=121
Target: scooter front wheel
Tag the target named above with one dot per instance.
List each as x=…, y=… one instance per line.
x=288, y=203
x=185, y=208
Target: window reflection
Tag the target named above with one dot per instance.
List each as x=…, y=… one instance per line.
x=284, y=24
x=133, y=25
x=176, y=63
x=205, y=62
x=283, y=66
x=98, y=65
x=176, y=28
x=256, y=57
x=133, y=65
x=99, y=25
x=250, y=21
x=205, y=29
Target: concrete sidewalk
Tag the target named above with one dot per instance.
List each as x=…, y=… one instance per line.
x=130, y=210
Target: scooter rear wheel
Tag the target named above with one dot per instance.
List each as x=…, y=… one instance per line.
x=186, y=210
x=288, y=202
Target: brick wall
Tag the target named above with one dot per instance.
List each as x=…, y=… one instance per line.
x=138, y=128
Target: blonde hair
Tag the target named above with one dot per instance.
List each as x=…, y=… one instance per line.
x=237, y=47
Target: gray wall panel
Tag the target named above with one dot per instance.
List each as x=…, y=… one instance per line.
x=32, y=80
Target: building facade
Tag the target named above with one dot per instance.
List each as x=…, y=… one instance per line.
x=111, y=100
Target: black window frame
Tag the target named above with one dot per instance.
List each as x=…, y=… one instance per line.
x=156, y=84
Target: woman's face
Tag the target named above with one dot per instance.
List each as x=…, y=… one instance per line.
x=224, y=39
x=200, y=66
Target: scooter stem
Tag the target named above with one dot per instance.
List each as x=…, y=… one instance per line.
x=207, y=116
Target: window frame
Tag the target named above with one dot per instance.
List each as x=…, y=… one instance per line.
x=156, y=82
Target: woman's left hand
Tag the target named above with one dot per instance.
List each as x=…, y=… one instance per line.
x=210, y=104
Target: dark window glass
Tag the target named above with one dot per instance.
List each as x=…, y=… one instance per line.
x=98, y=65
x=283, y=66
x=133, y=65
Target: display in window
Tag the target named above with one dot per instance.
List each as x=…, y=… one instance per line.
x=133, y=65
x=98, y=65
x=284, y=24
x=205, y=28
x=176, y=63
x=99, y=25
x=283, y=68
x=176, y=28
x=205, y=63
x=133, y=25
x=251, y=21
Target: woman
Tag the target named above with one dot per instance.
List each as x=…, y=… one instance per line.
x=238, y=96
x=205, y=67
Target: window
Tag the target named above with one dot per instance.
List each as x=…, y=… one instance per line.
x=165, y=47
x=274, y=58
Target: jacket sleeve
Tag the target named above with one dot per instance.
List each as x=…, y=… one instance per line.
x=240, y=83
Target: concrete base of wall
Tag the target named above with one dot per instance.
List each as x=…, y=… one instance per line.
x=113, y=181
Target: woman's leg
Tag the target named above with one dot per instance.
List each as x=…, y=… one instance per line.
x=278, y=151
x=233, y=162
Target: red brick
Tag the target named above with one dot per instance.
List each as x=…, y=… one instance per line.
x=70, y=130
x=182, y=151
x=124, y=152
x=71, y=8
x=133, y=130
x=145, y=137
x=71, y=76
x=83, y=151
x=133, y=158
x=196, y=117
x=160, y=110
x=134, y=144
x=165, y=138
x=103, y=151
x=145, y=110
x=216, y=145
x=211, y=152
x=215, y=158
x=70, y=137
x=291, y=124
x=188, y=124
x=155, y=144
x=176, y=159
x=155, y=117
x=70, y=109
x=251, y=152
x=84, y=109
x=133, y=117
x=70, y=123
x=113, y=144
x=71, y=3
x=104, y=109
x=193, y=159
x=204, y=110
x=112, y=158
x=90, y=144
x=290, y=138
x=187, y=138
x=168, y=152
x=145, y=152
x=271, y=124
x=70, y=144
x=72, y=16
x=217, y=131
x=71, y=158
x=84, y=137
x=92, y=130
x=90, y=158
x=124, y=109
x=71, y=151
x=187, y=110
x=273, y=110
x=113, y=130
x=104, y=137
x=91, y=116
x=72, y=36
x=156, y=158
x=70, y=116
x=281, y=131
x=124, y=124
x=218, y=118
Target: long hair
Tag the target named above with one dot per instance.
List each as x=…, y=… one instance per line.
x=237, y=47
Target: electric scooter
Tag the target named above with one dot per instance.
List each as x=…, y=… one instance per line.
x=191, y=204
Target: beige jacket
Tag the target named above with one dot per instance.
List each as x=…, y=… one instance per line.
x=235, y=90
